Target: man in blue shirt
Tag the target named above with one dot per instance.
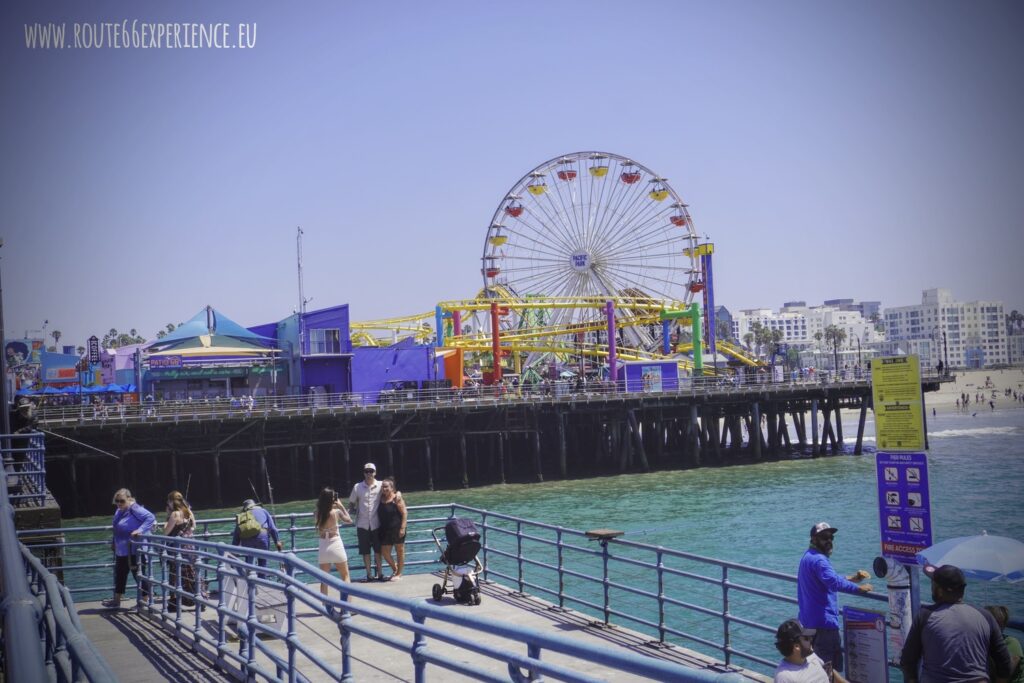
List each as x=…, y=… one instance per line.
x=818, y=587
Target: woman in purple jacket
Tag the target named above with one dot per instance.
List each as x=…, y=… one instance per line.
x=130, y=521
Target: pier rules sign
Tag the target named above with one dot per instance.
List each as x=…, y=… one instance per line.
x=904, y=508
x=896, y=393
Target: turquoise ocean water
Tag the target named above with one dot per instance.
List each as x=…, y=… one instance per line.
x=761, y=514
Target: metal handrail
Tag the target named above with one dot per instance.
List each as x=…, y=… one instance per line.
x=40, y=629
x=558, y=391
x=612, y=556
x=27, y=466
x=254, y=658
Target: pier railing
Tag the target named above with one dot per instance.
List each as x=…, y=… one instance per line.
x=42, y=639
x=276, y=651
x=25, y=468
x=92, y=410
x=670, y=594
x=726, y=610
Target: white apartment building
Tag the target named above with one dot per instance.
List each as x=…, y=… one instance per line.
x=970, y=334
x=800, y=323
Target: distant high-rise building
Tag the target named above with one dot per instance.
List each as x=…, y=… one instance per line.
x=960, y=334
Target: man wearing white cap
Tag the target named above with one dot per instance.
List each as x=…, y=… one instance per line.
x=818, y=587
x=363, y=501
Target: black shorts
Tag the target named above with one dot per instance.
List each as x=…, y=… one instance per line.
x=368, y=539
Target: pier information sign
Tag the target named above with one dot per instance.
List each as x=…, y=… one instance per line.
x=866, y=656
x=896, y=394
x=904, y=508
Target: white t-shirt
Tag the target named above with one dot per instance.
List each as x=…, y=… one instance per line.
x=366, y=499
x=811, y=671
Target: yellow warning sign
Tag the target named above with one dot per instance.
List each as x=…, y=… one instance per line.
x=896, y=390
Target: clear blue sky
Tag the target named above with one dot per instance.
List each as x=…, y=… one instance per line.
x=867, y=150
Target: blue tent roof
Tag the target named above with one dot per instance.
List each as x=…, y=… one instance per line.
x=208, y=321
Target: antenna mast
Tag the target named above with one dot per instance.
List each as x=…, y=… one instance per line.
x=302, y=294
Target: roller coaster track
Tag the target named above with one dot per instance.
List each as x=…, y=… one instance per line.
x=521, y=335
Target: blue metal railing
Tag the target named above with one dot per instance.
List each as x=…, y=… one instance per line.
x=25, y=468
x=640, y=585
x=42, y=639
x=666, y=593
x=240, y=578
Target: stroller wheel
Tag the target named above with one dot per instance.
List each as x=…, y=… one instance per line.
x=476, y=598
x=438, y=592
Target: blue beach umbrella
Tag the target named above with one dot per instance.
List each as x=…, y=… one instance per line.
x=984, y=557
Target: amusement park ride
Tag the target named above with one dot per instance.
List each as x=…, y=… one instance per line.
x=589, y=259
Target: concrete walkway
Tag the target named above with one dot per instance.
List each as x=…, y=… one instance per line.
x=139, y=648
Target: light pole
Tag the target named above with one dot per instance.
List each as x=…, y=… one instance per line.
x=945, y=352
x=5, y=424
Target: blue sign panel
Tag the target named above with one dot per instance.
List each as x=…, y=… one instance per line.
x=904, y=508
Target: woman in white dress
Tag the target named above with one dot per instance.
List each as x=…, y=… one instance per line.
x=329, y=512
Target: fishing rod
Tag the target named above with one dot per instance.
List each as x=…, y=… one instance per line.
x=188, y=483
x=256, y=495
x=270, y=492
x=78, y=443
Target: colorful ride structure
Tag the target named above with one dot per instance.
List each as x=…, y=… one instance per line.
x=590, y=259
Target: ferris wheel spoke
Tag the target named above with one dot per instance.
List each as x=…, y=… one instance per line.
x=543, y=281
x=641, y=215
x=644, y=234
x=617, y=207
x=648, y=283
x=544, y=230
x=622, y=208
x=566, y=189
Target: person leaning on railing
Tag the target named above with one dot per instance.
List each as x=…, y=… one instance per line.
x=131, y=520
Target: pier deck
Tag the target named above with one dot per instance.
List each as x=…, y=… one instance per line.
x=139, y=649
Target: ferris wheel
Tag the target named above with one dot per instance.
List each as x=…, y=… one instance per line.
x=592, y=224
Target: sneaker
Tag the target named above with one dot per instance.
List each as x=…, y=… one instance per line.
x=365, y=580
x=111, y=603
x=383, y=579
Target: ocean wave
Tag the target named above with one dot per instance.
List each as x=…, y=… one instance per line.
x=979, y=431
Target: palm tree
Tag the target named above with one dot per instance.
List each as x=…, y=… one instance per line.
x=774, y=337
x=834, y=337
x=748, y=339
x=56, y=337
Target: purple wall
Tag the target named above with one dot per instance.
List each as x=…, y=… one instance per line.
x=332, y=373
x=373, y=367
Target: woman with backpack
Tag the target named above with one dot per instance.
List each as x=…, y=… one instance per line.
x=329, y=515
x=131, y=520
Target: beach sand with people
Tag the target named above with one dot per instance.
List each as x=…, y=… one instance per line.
x=976, y=383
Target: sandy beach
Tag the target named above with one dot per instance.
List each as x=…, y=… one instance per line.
x=974, y=383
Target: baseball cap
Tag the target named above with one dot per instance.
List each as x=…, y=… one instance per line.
x=790, y=630
x=822, y=526
x=947, y=576
x=369, y=466
x=248, y=504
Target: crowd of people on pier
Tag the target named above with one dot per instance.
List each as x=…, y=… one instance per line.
x=375, y=507
x=948, y=641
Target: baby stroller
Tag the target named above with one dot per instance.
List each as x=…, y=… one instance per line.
x=463, y=544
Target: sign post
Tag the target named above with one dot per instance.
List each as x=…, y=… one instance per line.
x=904, y=508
